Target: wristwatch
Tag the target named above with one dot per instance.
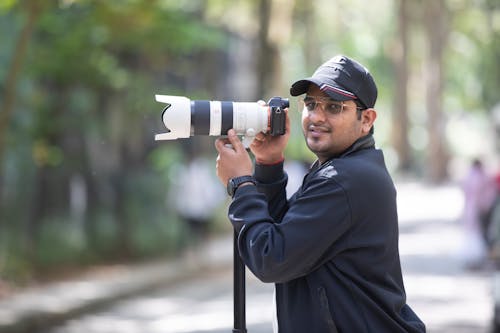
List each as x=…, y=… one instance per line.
x=234, y=183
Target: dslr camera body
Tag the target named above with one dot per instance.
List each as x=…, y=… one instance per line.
x=183, y=117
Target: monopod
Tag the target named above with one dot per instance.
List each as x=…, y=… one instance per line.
x=238, y=289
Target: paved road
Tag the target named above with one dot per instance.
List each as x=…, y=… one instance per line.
x=200, y=304
x=447, y=297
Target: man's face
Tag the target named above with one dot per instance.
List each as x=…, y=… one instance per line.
x=329, y=134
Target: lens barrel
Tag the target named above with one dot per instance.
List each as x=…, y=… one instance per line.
x=211, y=117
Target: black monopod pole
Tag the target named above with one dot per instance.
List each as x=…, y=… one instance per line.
x=239, y=289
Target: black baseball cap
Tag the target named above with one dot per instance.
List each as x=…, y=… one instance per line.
x=342, y=79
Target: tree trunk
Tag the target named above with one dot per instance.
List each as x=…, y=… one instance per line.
x=312, y=57
x=265, y=51
x=9, y=94
x=400, y=123
x=51, y=182
x=275, y=27
x=434, y=19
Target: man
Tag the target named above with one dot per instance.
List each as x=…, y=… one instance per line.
x=332, y=248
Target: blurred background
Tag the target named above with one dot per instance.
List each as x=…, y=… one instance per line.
x=83, y=182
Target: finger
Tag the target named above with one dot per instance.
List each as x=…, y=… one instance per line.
x=235, y=141
x=261, y=137
x=220, y=144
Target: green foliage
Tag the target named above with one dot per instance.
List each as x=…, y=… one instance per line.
x=470, y=39
x=14, y=265
x=60, y=243
x=6, y=5
x=152, y=239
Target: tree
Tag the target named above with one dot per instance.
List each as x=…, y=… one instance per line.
x=435, y=16
x=400, y=122
x=275, y=24
x=306, y=25
x=32, y=10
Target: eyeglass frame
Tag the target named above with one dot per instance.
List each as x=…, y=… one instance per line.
x=321, y=100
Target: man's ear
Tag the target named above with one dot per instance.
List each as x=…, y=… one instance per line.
x=367, y=119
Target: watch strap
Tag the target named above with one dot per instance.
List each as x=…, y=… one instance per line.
x=235, y=182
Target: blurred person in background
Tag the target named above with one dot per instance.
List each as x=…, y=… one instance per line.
x=196, y=195
x=332, y=248
x=477, y=189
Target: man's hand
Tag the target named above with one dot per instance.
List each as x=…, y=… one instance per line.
x=232, y=161
x=269, y=149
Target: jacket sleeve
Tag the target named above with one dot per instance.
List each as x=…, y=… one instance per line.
x=305, y=237
x=272, y=181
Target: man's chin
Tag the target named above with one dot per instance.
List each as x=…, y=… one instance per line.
x=314, y=145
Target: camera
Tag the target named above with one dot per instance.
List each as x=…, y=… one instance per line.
x=183, y=117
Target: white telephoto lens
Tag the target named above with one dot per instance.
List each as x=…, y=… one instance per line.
x=184, y=118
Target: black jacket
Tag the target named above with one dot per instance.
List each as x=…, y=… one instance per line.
x=332, y=249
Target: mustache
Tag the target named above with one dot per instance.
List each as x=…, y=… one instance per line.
x=318, y=128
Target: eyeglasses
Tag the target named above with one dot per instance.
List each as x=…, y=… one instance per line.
x=328, y=105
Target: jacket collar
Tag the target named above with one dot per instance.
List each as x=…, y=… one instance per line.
x=364, y=142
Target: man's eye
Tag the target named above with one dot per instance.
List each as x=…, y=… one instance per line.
x=333, y=108
x=310, y=106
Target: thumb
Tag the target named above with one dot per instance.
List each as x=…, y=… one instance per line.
x=235, y=141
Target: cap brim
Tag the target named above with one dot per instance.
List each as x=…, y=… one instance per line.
x=300, y=87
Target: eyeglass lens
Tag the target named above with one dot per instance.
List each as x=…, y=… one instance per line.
x=327, y=105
